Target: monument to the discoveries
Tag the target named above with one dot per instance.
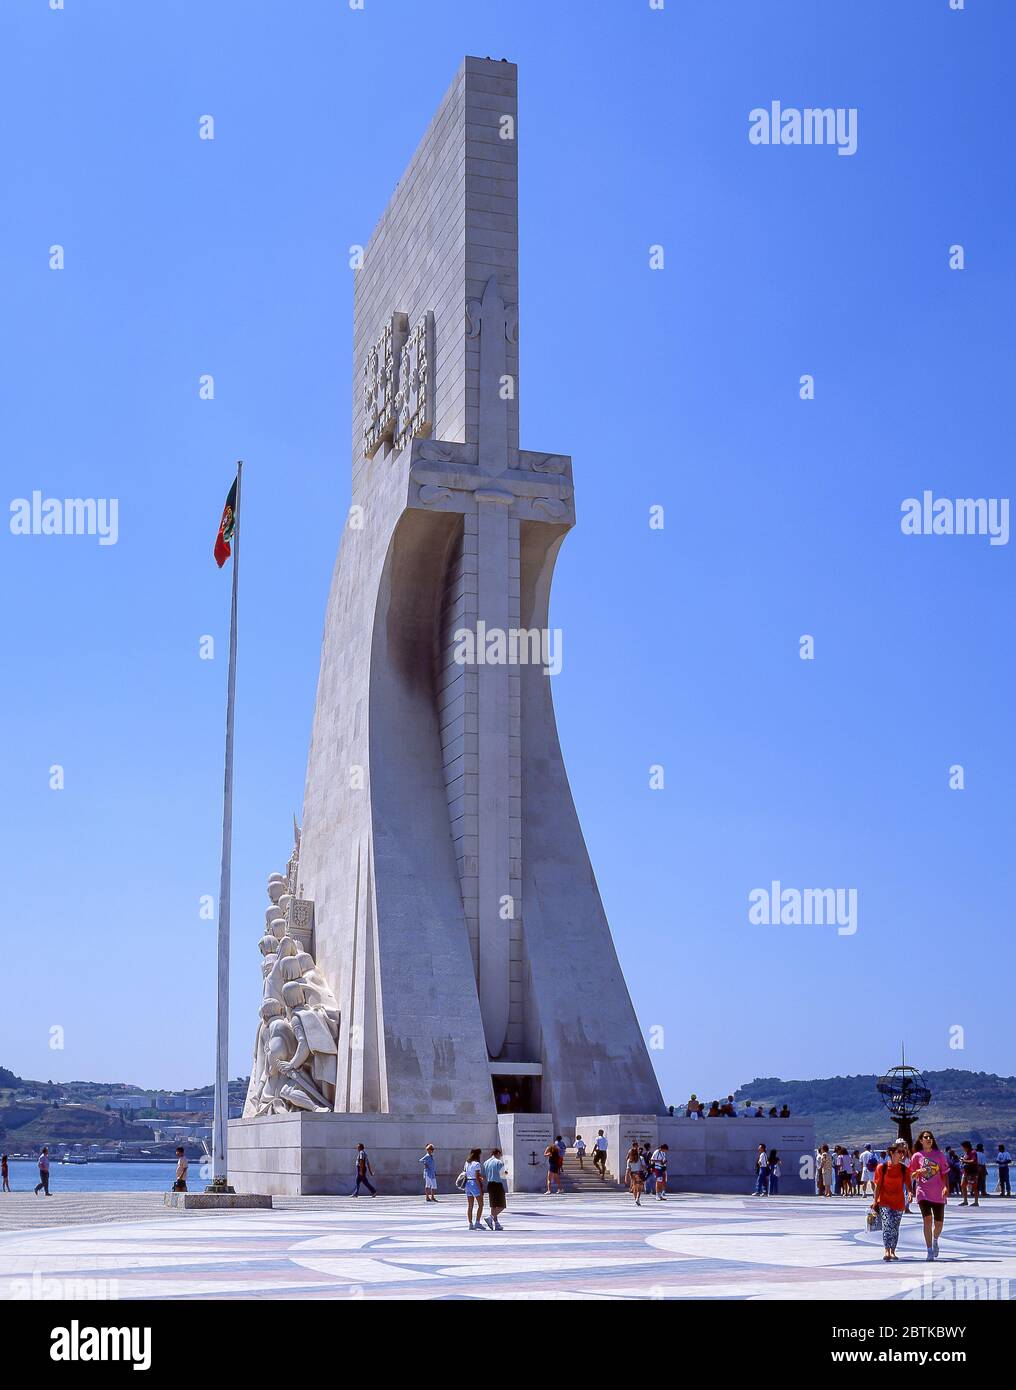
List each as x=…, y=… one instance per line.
x=442, y=882
x=438, y=939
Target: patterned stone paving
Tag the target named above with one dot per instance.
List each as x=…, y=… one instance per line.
x=571, y=1247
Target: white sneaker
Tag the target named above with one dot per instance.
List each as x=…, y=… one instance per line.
x=488, y=1223
x=498, y=1226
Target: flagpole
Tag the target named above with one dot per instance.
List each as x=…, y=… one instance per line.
x=220, y=1120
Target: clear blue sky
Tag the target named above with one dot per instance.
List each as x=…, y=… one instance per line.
x=676, y=387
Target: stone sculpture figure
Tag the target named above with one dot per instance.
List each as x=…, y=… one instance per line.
x=296, y=1048
x=285, y=1084
x=316, y=1037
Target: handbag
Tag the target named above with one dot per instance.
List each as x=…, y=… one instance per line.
x=460, y=1181
x=871, y=1220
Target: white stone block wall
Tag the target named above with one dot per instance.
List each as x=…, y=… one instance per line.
x=709, y=1155
x=313, y=1155
x=719, y=1155
x=522, y=1137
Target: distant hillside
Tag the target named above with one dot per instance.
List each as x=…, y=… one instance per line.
x=979, y=1106
x=33, y=1113
x=23, y=1124
x=974, y=1105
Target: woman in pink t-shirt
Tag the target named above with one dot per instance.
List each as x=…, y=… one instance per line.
x=929, y=1173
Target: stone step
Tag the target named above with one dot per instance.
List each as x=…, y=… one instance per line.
x=584, y=1179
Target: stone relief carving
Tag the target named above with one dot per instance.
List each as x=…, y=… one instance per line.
x=436, y=451
x=548, y=463
x=398, y=384
x=431, y=493
x=379, y=384
x=474, y=317
x=414, y=399
x=296, y=1048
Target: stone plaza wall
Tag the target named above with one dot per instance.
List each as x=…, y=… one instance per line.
x=709, y=1155
x=312, y=1154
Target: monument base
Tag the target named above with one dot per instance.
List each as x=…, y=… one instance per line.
x=313, y=1154
x=709, y=1155
x=216, y=1201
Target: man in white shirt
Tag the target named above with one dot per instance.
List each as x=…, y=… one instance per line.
x=659, y=1162
x=600, y=1154
x=180, y=1181
x=864, y=1177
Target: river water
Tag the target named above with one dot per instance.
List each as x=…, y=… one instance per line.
x=99, y=1177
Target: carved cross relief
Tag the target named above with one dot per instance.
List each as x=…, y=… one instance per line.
x=500, y=485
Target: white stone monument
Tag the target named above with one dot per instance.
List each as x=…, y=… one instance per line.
x=438, y=940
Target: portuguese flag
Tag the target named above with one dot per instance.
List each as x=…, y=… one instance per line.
x=226, y=528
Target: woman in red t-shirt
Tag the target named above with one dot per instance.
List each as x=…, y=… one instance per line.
x=892, y=1193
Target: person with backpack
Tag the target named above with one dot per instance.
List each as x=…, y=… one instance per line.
x=660, y=1160
x=892, y=1193
x=363, y=1171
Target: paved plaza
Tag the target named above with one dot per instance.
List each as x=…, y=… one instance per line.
x=572, y=1247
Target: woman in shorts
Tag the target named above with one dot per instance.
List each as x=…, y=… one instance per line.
x=929, y=1172
x=473, y=1173
x=635, y=1173
x=553, y=1156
